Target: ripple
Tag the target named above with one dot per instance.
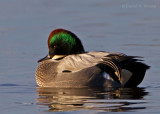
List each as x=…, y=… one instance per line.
x=148, y=45
x=8, y=84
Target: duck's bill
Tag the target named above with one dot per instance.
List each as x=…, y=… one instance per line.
x=44, y=58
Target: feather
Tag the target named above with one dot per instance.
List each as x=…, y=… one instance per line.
x=114, y=64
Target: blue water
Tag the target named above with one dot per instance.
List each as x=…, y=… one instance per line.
x=131, y=27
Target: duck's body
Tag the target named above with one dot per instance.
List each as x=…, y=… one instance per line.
x=69, y=66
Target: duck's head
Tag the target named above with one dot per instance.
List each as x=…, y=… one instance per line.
x=62, y=42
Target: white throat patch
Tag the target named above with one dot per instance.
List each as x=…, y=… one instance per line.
x=57, y=56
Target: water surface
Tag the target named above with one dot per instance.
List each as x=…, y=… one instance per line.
x=131, y=27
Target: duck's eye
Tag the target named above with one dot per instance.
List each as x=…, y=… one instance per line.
x=54, y=46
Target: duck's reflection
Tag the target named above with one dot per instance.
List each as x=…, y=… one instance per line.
x=110, y=99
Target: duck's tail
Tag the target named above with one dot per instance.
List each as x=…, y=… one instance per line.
x=138, y=70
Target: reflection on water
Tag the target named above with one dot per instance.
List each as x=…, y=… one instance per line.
x=110, y=99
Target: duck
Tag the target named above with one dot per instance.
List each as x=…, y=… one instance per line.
x=68, y=65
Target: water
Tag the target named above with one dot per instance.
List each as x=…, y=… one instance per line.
x=102, y=100
x=131, y=27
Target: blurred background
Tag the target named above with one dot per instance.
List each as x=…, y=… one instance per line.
x=130, y=27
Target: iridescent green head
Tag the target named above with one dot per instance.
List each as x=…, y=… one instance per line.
x=63, y=42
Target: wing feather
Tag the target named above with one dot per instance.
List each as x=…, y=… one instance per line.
x=77, y=62
x=114, y=64
x=103, y=60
